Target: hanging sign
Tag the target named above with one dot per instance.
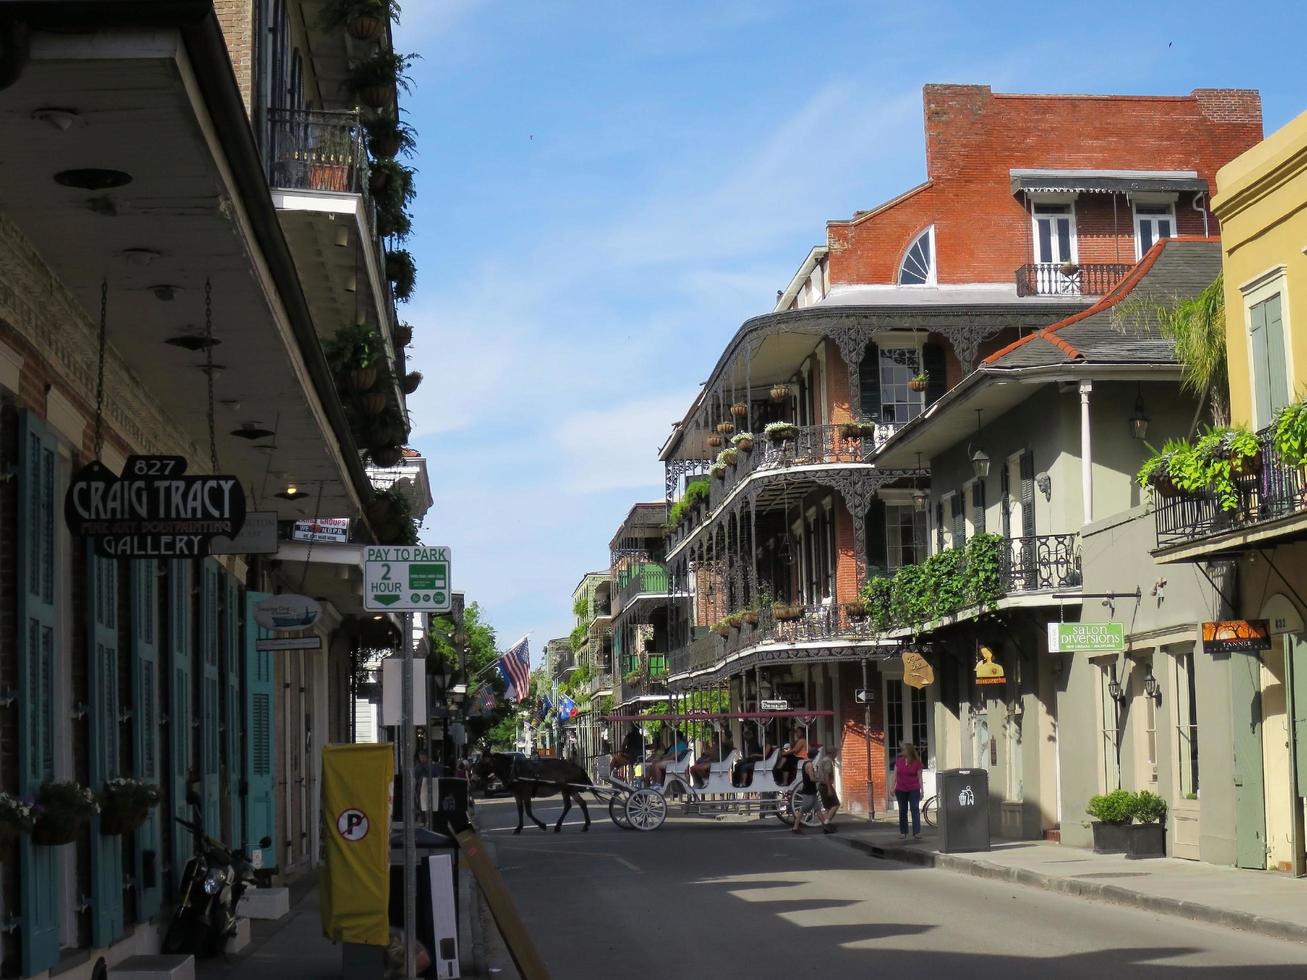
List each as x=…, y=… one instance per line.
x=331, y=530
x=1236, y=636
x=274, y=643
x=775, y=704
x=988, y=672
x=153, y=510
x=287, y=612
x=917, y=671
x=1086, y=637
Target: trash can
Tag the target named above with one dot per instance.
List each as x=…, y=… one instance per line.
x=437, y=897
x=963, y=809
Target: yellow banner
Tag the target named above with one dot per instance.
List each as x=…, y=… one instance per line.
x=356, y=794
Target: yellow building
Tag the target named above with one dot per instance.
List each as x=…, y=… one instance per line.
x=1254, y=550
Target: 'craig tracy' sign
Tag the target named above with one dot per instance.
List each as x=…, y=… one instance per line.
x=153, y=510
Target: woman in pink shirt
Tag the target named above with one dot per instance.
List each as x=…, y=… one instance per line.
x=907, y=789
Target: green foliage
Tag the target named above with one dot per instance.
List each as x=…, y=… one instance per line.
x=381, y=68
x=402, y=272
x=1208, y=464
x=579, y=636
x=781, y=431
x=336, y=13
x=1148, y=807
x=696, y=492
x=716, y=701
x=581, y=608
x=946, y=582
x=356, y=346
x=389, y=137
x=392, y=518
x=1114, y=807
x=717, y=470
x=1290, y=433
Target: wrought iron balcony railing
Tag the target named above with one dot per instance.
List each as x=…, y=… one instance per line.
x=316, y=150
x=1040, y=563
x=1265, y=489
x=1060, y=279
x=643, y=578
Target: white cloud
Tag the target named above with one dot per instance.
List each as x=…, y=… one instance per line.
x=615, y=448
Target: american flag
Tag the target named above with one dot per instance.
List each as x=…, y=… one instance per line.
x=483, y=702
x=515, y=666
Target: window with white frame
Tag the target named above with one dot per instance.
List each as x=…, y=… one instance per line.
x=1109, y=734
x=897, y=367
x=1186, y=723
x=918, y=266
x=1054, y=233
x=905, y=535
x=1153, y=222
x=1269, y=352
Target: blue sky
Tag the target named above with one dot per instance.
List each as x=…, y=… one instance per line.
x=606, y=190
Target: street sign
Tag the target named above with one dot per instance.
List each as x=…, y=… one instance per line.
x=406, y=579
x=1086, y=637
x=862, y=695
x=775, y=705
x=289, y=643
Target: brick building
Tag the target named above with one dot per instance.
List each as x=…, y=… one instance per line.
x=1034, y=208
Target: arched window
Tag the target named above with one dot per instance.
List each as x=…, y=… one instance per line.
x=918, y=267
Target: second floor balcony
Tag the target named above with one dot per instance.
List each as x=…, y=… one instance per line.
x=1069, y=279
x=639, y=579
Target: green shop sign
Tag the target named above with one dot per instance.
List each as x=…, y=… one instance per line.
x=1086, y=637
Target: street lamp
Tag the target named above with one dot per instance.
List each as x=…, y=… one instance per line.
x=980, y=458
x=1139, y=420
x=1151, y=688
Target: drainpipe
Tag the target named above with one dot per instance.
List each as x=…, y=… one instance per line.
x=1086, y=453
x=1201, y=210
x=14, y=51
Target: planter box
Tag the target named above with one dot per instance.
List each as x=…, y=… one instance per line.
x=1147, y=840
x=1111, y=838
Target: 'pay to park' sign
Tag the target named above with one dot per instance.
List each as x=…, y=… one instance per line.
x=406, y=579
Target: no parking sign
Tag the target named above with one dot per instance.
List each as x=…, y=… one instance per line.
x=356, y=787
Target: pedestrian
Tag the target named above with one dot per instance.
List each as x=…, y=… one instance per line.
x=907, y=789
x=830, y=801
x=805, y=800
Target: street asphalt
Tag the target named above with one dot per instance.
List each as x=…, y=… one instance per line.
x=734, y=898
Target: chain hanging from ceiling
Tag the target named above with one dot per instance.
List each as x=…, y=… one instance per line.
x=99, y=371
x=208, y=369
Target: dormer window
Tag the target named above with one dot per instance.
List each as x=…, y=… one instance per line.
x=918, y=267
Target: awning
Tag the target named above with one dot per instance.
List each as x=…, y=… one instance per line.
x=1104, y=181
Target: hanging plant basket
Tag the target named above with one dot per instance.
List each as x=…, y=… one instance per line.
x=714, y=440
x=783, y=612
x=411, y=382
x=857, y=430
x=378, y=180
x=1246, y=465
x=387, y=456
x=729, y=456
x=375, y=96
x=740, y=410
x=123, y=819
x=722, y=629
x=718, y=471
x=780, y=392
x=361, y=379
x=750, y=616
x=365, y=27
x=403, y=335
x=743, y=442
x=55, y=829
x=919, y=383
x=856, y=611
x=782, y=431
x=374, y=402
x=725, y=428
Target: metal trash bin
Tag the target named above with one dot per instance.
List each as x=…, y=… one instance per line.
x=963, y=809
x=437, y=897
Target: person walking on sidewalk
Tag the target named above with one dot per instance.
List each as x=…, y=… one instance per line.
x=806, y=800
x=830, y=801
x=907, y=789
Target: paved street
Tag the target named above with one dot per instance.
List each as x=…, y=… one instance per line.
x=700, y=898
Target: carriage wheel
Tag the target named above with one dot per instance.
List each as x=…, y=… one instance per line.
x=646, y=809
x=810, y=819
x=784, y=809
x=617, y=812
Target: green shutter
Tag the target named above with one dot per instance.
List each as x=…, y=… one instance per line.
x=959, y=515
x=103, y=746
x=1276, y=362
x=210, y=781
x=37, y=679
x=1028, y=494
x=877, y=551
x=934, y=364
x=978, y=506
x=1297, y=684
x=260, y=747
x=869, y=384
x=1261, y=363
x=145, y=728
x=180, y=574
x=1249, y=785
x=233, y=770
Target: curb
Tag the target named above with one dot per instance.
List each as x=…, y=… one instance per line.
x=1094, y=891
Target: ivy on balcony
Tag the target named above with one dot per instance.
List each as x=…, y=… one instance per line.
x=945, y=583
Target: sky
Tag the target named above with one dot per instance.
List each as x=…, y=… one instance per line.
x=607, y=190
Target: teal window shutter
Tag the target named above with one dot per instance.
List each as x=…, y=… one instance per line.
x=260, y=747
x=210, y=779
x=146, y=751
x=103, y=749
x=232, y=767
x=37, y=679
x=180, y=574
x=1261, y=363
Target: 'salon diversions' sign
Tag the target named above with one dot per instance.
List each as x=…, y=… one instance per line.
x=153, y=510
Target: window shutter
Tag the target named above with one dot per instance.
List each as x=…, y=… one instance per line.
x=877, y=554
x=869, y=383
x=1261, y=363
x=1004, y=503
x=939, y=525
x=102, y=647
x=932, y=362
x=145, y=728
x=1275, y=356
x=1027, y=494
x=959, y=520
x=37, y=675
x=209, y=716
x=231, y=676
x=978, y=506
x=180, y=573
x=260, y=749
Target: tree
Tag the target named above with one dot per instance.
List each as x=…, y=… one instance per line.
x=480, y=659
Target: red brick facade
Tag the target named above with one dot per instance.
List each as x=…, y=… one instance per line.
x=975, y=137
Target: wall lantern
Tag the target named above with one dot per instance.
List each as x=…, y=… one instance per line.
x=919, y=500
x=980, y=458
x=1151, y=688
x=1114, y=690
x=1139, y=420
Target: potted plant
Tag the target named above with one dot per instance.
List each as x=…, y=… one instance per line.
x=857, y=430
x=740, y=410
x=355, y=354
x=374, y=80
x=722, y=628
x=1243, y=451
x=373, y=402
x=402, y=273
x=781, y=431
x=16, y=817
x=411, y=381
x=783, y=612
x=62, y=811
x=717, y=471
x=1289, y=433
x=750, y=616
x=403, y=335
x=714, y=440
x=125, y=804
x=918, y=382
x=1112, y=813
x=725, y=428
x=856, y=610
x=779, y=392
x=330, y=158
x=365, y=20
x=389, y=137
x=730, y=456
x=1068, y=268
x=743, y=441
x=735, y=620
x=1147, y=837
x=387, y=456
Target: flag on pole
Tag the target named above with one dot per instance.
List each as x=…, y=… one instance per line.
x=515, y=666
x=544, y=706
x=484, y=701
x=566, y=707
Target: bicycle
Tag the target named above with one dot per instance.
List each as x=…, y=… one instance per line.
x=929, y=811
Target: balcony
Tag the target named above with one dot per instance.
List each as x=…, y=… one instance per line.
x=1040, y=563
x=1057, y=279
x=1268, y=491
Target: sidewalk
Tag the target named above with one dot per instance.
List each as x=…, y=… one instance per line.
x=1253, y=901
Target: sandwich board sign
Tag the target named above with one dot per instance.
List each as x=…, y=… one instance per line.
x=406, y=579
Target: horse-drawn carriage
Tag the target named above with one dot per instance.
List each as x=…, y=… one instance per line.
x=731, y=784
